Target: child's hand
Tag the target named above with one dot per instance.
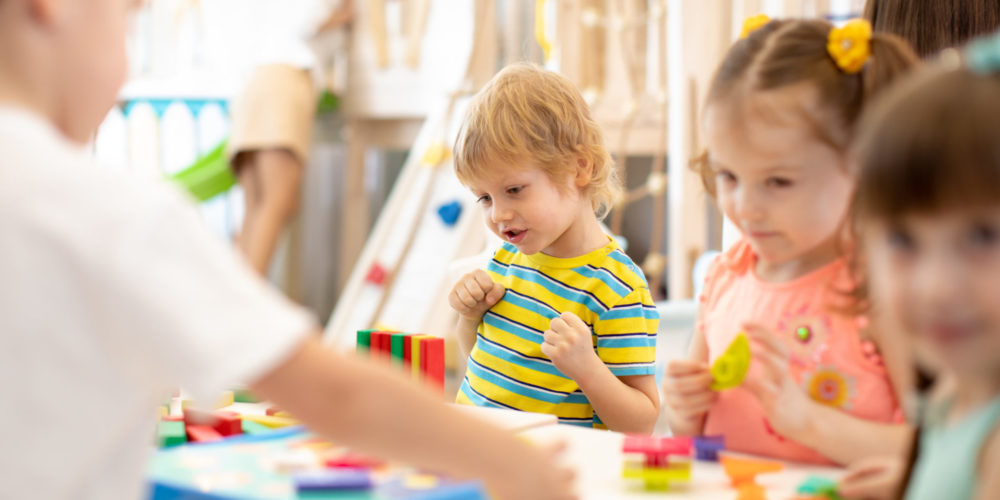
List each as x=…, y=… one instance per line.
x=687, y=389
x=569, y=344
x=875, y=478
x=540, y=477
x=475, y=294
x=785, y=404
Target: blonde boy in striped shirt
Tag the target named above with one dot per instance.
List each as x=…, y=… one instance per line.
x=561, y=321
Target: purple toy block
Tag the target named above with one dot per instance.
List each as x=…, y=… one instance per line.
x=333, y=479
x=708, y=447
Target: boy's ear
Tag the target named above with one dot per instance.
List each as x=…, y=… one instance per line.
x=584, y=171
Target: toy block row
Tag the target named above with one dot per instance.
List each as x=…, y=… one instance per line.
x=204, y=426
x=421, y=356
x=658, y=449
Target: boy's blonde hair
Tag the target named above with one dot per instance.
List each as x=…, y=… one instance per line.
x=526, y=113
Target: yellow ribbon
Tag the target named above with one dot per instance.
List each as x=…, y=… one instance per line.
x=851, y=46
x=754, y=23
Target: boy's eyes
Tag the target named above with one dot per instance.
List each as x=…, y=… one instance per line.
x=900, y=239
x=779, y=182
x=983, y=234
x=726, y=176
x=483, y=199
x=514, y=190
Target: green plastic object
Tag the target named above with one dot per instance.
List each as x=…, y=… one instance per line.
x=328, y=103
x=364, y=343
x=171, y=433
x=253, y=428
x=820, y=487
x=244, y=396
x=397, y=346
x=209, y=176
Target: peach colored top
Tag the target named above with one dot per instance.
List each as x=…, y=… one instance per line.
x=828, y=357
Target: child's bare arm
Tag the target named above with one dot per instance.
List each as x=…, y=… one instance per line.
x=989, y=463
x=379, y=412
x=626, y=404
x=473, y=295
x=839, y=436
x=686, y=388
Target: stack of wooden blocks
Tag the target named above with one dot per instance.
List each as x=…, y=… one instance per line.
x=420, y=356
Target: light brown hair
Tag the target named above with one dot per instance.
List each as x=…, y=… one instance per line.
x=934, y=25
x=786, y=53
x=529, y=114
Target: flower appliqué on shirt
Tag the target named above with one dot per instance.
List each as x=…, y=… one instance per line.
x=829, y=386
x=806, y=335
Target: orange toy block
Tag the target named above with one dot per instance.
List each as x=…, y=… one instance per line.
x=202, y=434
x=742, y=471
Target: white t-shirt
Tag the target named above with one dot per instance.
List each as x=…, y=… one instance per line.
x=112, y=292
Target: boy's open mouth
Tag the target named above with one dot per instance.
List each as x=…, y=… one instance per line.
x=514, y=235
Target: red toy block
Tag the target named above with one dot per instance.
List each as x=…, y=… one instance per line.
x=225, y=423
x=352, y=461
x=658, y=445
x=381, y=345
x=376, y=274
x=407, y=353
x=432, y=361
x=202, y=434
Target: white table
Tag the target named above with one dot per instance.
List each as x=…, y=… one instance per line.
x=598, y=459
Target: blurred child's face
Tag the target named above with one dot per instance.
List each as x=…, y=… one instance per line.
x=89, y=40
x=938, y=276
x=525, y=207
x=785, y=189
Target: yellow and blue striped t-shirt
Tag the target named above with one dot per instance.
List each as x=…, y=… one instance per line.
x=507, y=369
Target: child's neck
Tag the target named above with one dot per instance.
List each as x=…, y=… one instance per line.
x=583, y=236
x=788, y=270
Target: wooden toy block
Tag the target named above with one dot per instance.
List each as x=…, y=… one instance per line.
x=244, y=396
x=364, y=341
x=226, y=399
x=381, y=347
x=202, y=434
x=708, y=447
x=333, y=480
x=658, y=445
x=253, y=428
x=271, y=421
x=396, y=349
x=352, y=461
x=750, y=492
x=658, y=478
x=171, y=433
x=408, y=354
x=226, y=423
x=731, y=367
x=416, y=357
x=819, y=488
x=432, y=361
x=744, y=470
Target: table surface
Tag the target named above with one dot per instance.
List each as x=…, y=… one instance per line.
x=598, y=460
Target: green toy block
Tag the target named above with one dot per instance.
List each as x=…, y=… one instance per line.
x=209, y=176
x=250, y=427
x=820, y=487
x=244, y=396
x=364, y=343
x=171, y=433
x=397, y=348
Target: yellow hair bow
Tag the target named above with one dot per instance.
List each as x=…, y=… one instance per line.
x=754, y=23
x=851, y=46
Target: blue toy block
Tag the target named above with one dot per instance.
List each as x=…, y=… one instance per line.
x=450, y=212
x=333, y=479
x=821, y=487
x=708, y=447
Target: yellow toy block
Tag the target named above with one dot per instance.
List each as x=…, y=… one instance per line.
x=225, y=400
x=658, y=478
x=729, y=369
x=271, y=421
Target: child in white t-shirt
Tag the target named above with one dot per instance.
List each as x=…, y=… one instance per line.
x=112, y=292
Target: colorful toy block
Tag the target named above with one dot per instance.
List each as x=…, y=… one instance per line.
x=271, y=421
x=432, y=361
x=658, y=445
x=352, y=461
x=750, y=492
x=396, y=348
x=408, y=354
x=708, y=447
x=658, y=478
x=253, y=428
x=244, y=396
x=226, y=423
x=171, y=433
x=731, y=367
x=226, y=399
x=202, y=434
x=819, y=488
x=661, y=461
x=743, y=471
x=450, y=212
x=364, y=341
x=333, y=480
